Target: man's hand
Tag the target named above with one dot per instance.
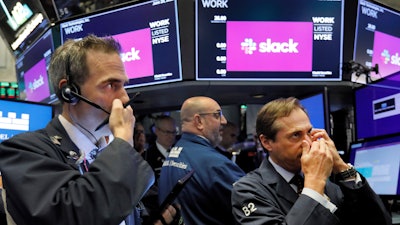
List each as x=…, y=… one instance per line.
x=167, y=216
x=338, y=164
x=316, y=164
x=122, y=121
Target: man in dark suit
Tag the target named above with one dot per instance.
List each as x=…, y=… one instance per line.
x=70, y=172
x=230, y=133
x=297, y=150
x=165, y=131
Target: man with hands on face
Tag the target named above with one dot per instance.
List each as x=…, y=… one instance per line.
x=267, y=195
x=52, y=175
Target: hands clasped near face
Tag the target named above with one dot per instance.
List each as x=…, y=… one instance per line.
x=319, y=159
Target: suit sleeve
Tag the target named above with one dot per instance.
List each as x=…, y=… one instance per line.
x=254, y=203
x=362, y=205
x=42, y=188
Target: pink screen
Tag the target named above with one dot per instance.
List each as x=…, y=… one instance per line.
x=386, y=54
x=36, y=82
x=269, y=46
x=137, y=53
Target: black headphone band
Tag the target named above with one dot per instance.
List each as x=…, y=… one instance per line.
x=69, y=90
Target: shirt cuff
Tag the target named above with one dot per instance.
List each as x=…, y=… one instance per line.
x=323, y=200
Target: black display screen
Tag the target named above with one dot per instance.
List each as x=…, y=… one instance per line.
x=149, y=36
x=269, y=40
x=377, y=40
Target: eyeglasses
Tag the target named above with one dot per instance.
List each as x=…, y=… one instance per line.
x=170, y=132
x=217, y=114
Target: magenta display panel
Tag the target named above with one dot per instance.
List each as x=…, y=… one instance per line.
x=148, y=33
x=267, y=40
x=31, y=67
x=377, y=39
x=386, y=53
x=286, y=47
x=37, y=83
x=136, y=55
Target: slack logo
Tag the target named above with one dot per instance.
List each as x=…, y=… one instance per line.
x=385, y=56
x=36, y=84
x=394, y=59
x=133, y=55
x=248, y=46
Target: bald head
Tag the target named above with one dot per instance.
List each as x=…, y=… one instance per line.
x=198, y=104
x=202, y=115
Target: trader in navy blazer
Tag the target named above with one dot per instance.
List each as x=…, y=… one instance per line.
x=70, y=172
x=270, y=195
x=206, y=197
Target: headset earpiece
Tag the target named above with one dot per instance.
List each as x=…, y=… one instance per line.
x=69, y=92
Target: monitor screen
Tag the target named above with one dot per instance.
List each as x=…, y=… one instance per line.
x=377, y=40
x=379, y=162
x=149, y=36
x=21, y=116
x=377, y=108
x=317, y=109
x=269, y=40
x=31, y=67
x=21, y=23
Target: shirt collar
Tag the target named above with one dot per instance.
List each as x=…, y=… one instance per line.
x=284, y=173
x=163, y=150
x=84, y=144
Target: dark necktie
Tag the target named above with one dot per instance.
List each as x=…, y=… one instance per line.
x=298, y=180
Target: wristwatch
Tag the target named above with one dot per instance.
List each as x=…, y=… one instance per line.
x=349, y=173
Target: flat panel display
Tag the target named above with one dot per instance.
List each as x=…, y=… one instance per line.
x=149, y=36
x=21, y=23
x=31, y=67
x=378, y=161
x=377, y=39
x=22, y=116
x=317, y=110
x=377, y=108
x=287, y=40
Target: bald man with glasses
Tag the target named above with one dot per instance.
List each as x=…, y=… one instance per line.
x=206, y=197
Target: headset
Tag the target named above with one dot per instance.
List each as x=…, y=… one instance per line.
x=71, y=93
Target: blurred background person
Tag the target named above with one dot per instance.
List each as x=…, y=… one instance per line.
x=230, y=133
x=165, y=132
x=139, y=138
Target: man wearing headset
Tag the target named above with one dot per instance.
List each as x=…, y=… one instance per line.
x=53, y=175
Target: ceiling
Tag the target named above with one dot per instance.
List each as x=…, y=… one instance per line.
x=395, y=4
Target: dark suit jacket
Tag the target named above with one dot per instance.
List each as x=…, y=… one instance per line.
x=43, y=184
x=264, y=197
x=154, y=157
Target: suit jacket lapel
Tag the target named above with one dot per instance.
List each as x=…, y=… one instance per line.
x=58, y=135
x=275, y=181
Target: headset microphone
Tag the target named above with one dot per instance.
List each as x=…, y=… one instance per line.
x=68, y=93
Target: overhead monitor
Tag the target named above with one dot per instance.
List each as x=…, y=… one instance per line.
x=149, y=36
x=31, y=67
x=21, y=23
x=318, y=110
x=377, y=108
x=285, y=40
x=22, y=116
x=377, y=40
x=378, y=161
